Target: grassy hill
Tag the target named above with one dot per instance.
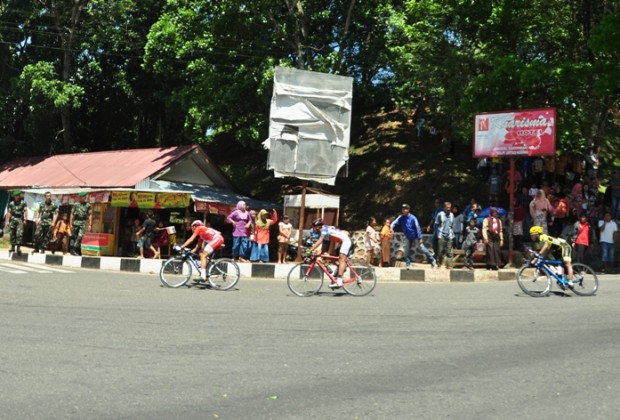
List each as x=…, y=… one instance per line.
x=388, y=166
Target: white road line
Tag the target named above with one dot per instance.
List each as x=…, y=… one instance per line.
x=11, y=271
x=26, y=268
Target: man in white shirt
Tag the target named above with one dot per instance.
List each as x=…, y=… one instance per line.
x=607, y=228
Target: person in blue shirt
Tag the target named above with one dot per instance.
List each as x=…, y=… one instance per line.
x=410, y=227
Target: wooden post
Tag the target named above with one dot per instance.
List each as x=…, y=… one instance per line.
x=511, y=206
x=302, y=217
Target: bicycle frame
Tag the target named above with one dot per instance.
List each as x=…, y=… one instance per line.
x=545, y=265
x=316, y=260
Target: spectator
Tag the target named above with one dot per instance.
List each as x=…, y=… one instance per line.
x=493, y=235
x=445, y=233
x=495, y=185
x=519, y=214
x=432, y=227
x=607, y=229
x=583, y=236
x=45, y=221
x=284, y=236
x=458, y=225
x=241, y=221
x=591, y=159
x=370, y=240
x=80, y=222
x=410, y=227
x=15, y=219
x=472, y=233
x=614, y=185
x=386, y=237
x=61, y=231
x=261, y=252
x=539, y=210
x=146, y=234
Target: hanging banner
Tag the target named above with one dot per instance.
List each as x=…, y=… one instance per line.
x=149, y=200
x=213, y=208
x=529, y=132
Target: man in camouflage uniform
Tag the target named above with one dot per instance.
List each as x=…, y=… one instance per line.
x=16, y=216
x=45, y=220
x=80, y=222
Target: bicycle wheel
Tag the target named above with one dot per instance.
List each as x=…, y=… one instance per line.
x=175, y=272
x=364, y=279
x=534, y=282
x=304, y=283
x=223, y=274
x=585, y=280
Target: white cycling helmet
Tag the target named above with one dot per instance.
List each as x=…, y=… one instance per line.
x=197, y=223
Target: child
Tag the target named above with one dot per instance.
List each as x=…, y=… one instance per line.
x=61, y=230
x=370, y=239
x=285, y=229
x=386, y=236
x=469, y=244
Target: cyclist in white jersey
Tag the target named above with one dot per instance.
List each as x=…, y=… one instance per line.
x=333, y=234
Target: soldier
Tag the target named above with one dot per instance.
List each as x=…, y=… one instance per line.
x=15, y=219
x=45, y=220
x=80, y=215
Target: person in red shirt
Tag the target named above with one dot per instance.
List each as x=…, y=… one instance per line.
x=212, y=240
x=584, y=233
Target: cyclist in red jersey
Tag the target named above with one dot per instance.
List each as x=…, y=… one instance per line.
x=211, y=240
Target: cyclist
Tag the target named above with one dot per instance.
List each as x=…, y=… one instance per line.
x=334, y=235
x=552, y=243
x=211, y=240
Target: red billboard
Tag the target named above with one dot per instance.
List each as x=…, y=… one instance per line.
x=530, y=132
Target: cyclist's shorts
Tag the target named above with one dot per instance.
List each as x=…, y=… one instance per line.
x=213, y=244
x=345, y=245
x=567, y=250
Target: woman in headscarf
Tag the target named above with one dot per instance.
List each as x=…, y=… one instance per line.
x=539, y=209
x=576, y=197
x=260, y=252
x=241, y=221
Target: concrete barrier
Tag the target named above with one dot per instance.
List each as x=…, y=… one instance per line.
x=417, y=273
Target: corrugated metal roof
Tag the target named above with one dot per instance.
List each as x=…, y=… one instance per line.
x=118, y=168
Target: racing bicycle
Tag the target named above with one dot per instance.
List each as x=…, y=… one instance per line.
x=535, y=279
x=306, y=278
x=222, y=273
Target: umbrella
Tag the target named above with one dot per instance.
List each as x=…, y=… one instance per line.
x=486, y=211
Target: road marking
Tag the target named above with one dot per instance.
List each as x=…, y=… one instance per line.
x=6, y=270
x=21, y=269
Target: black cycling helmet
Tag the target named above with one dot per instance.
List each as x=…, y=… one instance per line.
x=317, y=222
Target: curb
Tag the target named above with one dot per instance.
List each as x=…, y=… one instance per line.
x=270, y=271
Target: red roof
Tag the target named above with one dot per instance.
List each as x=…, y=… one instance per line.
x=117, y=168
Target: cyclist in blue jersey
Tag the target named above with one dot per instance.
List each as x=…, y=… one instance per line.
x=334, y=235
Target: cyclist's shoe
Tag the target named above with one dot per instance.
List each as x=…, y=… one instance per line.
x=570, y=283
x=408, y=266
x=337, y=284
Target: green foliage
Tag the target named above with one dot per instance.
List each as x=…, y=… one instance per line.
x=40, y=82
x=102, y=74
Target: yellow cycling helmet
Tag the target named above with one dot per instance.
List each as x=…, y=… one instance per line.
x=536, y=230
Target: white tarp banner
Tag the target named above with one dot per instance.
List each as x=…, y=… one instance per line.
x=309, y=124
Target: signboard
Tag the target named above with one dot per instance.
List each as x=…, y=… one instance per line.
x=309, y=124
x=149, y=200
x=97, y=244
x=213, y=208
x=529, y=132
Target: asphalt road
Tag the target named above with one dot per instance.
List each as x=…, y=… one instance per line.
x=108, y=345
